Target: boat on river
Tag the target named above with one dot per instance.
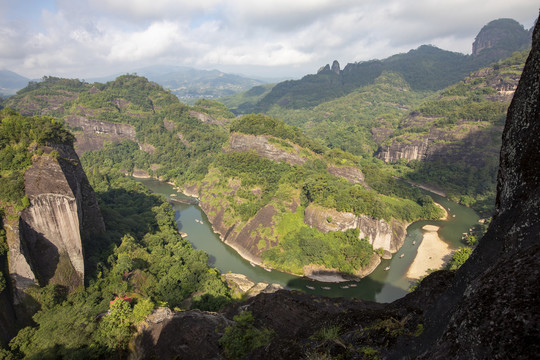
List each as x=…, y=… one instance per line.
x=310, y=287
x=202, y=237
x=267, y=269
x=402, y=255
x=387, y=268
x=325, y=287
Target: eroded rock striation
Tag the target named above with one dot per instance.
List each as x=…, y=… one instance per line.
x=46, y=245
x=261, y=145
x=97, y=132
x=381, y=234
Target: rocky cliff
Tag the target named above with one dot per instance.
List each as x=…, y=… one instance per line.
x=96, y=132
x=452, y=137
x=46, y=245
x=496, y=38
x=381, y=234
x=262, y=146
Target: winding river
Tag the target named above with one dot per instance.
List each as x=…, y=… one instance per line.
x=380, y=286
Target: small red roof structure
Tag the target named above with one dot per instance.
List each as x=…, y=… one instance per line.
x=125, y=298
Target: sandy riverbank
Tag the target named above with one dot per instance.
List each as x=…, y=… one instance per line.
x=446, y=215
x=433, y=253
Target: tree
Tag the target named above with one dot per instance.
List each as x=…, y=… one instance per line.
x=115, y=328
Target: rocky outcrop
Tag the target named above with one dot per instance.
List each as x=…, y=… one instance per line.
x=469, y=142
x=352, y=174
x=97, y=132
x=47, y=245
x=242, y=285
x=261, y=145
x=182, y=335
x=207, y=119
x=381, y=234
x=335, y=67
x=499, y=36
x=245, y=240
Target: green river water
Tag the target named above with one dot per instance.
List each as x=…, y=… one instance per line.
x=380, y=286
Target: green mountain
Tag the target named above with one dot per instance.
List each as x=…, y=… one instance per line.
x=190, y=84
x=452, y=140
x=262, y=183
x=427, y=68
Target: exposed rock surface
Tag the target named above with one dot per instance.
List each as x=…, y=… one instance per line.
x=183, y=335
x=381, y=234
x=261, y=145
x=352, y=174
x=335, y=67
x=241, y=284
x=464, y=142
x=242, y=240
x=97, y=132
x=498, y=35
x=207, y=119
x=47, y=245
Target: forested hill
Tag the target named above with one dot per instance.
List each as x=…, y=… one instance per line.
x=453, y=139
x=427, y=68
x=255, y=175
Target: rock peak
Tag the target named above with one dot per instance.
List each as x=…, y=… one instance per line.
x=335, y=67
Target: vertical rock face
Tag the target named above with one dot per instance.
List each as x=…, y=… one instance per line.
x=96, y=132
x=381, y=234
x=335, y=67
x=491, y=310
x=63, y=212
x=500, y=33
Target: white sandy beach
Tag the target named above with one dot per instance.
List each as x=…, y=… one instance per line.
x=432, y=253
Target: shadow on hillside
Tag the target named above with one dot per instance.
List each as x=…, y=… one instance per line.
x=465, y=167
x=124, y=212
x=365, y=289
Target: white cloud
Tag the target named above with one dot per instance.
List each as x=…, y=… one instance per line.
x=137, y=10
x=100, y=37
x=154, y=41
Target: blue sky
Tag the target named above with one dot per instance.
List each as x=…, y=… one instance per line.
x=271, y=38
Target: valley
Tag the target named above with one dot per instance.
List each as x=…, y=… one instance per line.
x=380, y=285
x=298, y=215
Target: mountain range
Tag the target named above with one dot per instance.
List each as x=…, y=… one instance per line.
x=188, y=84
x=426, y=68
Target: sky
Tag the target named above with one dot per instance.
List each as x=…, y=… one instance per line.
x=264, y=38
